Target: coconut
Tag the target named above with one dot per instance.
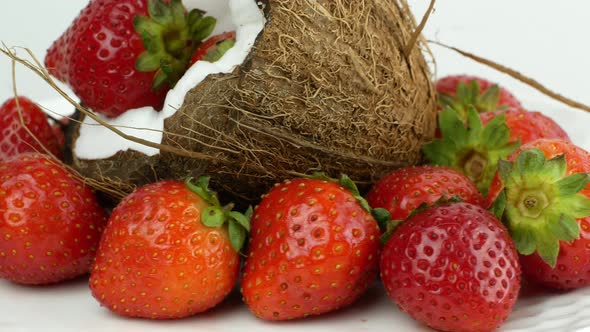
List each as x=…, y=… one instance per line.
x=311, y=85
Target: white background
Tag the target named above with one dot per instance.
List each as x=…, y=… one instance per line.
x=547, y=40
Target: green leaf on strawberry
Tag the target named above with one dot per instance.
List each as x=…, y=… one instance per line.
x=389, y=225
x=237, y=235
x=170, y=37
x=214, y=48
x=217, y=216
x=469, y=94
x=473, y=149
x=242, y=219
x=349, y=185
x=499, y=205
x=542, y=203
x=386, y=224
x=221, y=48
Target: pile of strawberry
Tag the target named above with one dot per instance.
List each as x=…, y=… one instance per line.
x=116, y=56
x=504, y=195
x=507, y=194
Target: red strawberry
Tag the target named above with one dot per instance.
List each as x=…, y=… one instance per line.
x=461, y=91
x=124, y=54
x=50, y=221
x=452, y=267
x=543, y=192
x=527, y=126
x=16, y=139
x=471, y=147
x=214, y=48
x=166, y=252
x=404, y=190
x=475, y=147
x=313, y=249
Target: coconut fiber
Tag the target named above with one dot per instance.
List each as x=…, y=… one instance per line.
x=327, y=87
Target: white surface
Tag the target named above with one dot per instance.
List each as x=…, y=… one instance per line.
x=544, y=39
x=242, y=16
x=70, y=307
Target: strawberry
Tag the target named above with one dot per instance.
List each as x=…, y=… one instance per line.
x=527, y=126
x=16, y=138
x=214, y=48
x=169, y=251
x=313, y=249
x=471, y=148
x=452, y=267
x=475, y=147
x=50, y=221
x=543, y=193
x=461, y=91
x=406, y=189
x=124, y=54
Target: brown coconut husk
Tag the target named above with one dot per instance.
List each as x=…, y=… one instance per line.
x=327, y=87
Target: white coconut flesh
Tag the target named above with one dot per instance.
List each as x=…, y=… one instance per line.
x=98, y=142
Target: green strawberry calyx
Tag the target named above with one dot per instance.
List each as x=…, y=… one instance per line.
x=219, y=50
x=170, y=35
x=473, y=149
x=540, y=203
x=217, y=215
x=467, y=95
x=381, y=215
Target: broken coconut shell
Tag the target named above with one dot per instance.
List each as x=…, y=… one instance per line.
x=326, y=87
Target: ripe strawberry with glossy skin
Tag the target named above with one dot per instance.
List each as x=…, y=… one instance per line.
x=461, y=91
x=50, y=221
x=215, y=47
x=527, y=126
x=121, y=55
x=543, y=194
x=452, y=267
x=475, y=147
x=14, y=137
x=471, y=147
x=406, y=189
x=313, y=249
x=161, y=258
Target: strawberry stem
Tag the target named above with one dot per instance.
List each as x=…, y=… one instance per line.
x=474, y=165
x=532, y=203
x=469, y=95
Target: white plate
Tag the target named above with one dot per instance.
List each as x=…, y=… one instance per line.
x=71, y=307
